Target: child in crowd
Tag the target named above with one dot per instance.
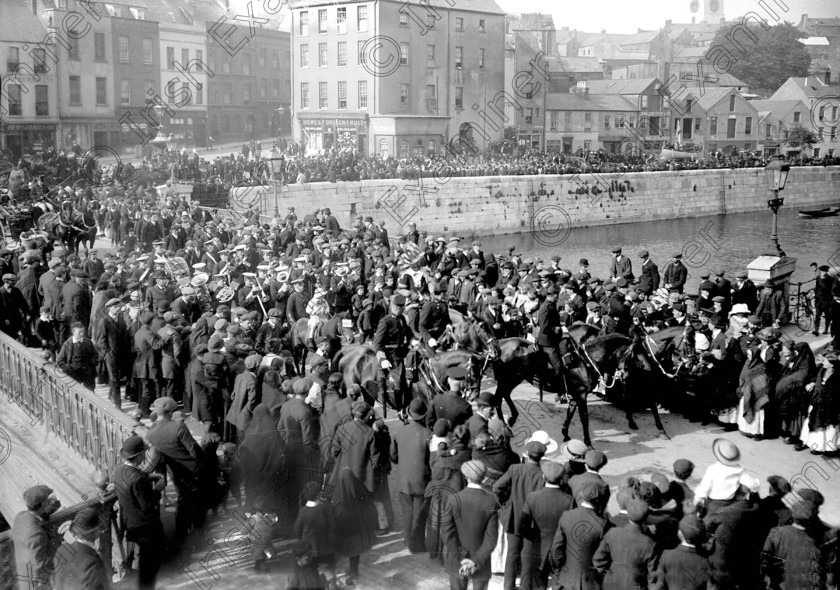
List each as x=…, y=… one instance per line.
x=315, y=525
x=231, y=468
x=306, y=575
x=260, y=532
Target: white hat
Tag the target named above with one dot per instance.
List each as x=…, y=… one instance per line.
x=740, y=308
x=700, y=341
x=541, y=436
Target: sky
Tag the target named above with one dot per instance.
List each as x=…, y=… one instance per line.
x=620, y=16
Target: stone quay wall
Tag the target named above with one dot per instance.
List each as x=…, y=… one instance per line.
x=481, y=206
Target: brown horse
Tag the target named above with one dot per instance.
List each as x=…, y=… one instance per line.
x=58, y=231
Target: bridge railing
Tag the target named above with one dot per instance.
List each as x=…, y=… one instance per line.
x=56, y=403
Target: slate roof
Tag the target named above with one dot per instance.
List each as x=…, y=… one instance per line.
x=19, y=24
x=486, y=6
x=596, y=102
x=620, y=87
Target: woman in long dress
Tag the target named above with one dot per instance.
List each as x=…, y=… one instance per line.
x=798, y=369
x=263, y=458
x=821, y=431
x=355, y=519
x=756, y=388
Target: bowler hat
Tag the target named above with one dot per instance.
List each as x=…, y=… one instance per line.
x=779, y=484
x=485, y=399
x=417, y=410
x=132, y=446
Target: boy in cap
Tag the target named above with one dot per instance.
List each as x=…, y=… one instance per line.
x=685, y=567
x=511, y=490
x=35, y=539
x=627, y=556
x=81, y=565
x=471, y=533
x=791, y=557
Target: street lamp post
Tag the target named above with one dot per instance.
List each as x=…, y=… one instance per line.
x=276, y=161
x=777, y=174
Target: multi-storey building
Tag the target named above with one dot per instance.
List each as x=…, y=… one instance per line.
x=823, y=117
x=649, y=131
x=579, y=121
x=183, y=73
x=775, y=119
x=715, y=119
x=397, y=79
x=28, y=83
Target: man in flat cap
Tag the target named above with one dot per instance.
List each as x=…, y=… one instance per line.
x=627, y=555
x=35, y=539
x=77, y=303
x=450, y=405
x=14, y=310
x=649, y=275
x=675, y=274
x=245, y=396
x=470, y=534
x=620, y=267
x=823, y=298
x=185, y=459
x=114, y=346
x=744, y=291
x=298, y=429
x=354, y=446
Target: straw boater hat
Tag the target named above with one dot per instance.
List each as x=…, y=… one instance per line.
x=726, y=452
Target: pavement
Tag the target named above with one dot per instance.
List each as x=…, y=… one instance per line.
x=224, y=149
x=219, y=558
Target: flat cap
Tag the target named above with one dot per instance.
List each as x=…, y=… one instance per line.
x=36, y=495
x=165, y=404
x=595, y=459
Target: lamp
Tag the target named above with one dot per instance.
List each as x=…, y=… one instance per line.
x=776, y=173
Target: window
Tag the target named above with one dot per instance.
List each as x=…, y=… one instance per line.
x=198, y=93
x=261, y=57
x=246, y=94
x=342, y=96
x=833, y=133
x=713, y=126
x=149, y=85
x=822, y=113
x=341, y=21
x=275, y=59
x=186, y=95
x=459, y=23
x=697, y=124
x=731, y=103
x=459, y=57
x=14, y=100
x=39, y=57
x=430, y=20
x=42, y=108
x=275, y=88
x=185, y=57
x=820, y=132
x=304, y=95
x=481, y=58
x=730, y=128
x=567, y=120
x=362, y=56
x=73, y=50
x=199, y=57
x=403, y=18
x=99, y=47
x=459, y=97
x=227, y=93
x=481, y=26
x=101, y=91
x=430, y=56
x=362, y=19
x=587, y=121
x=13, y=60
x=226, y=63
x=606, y=121
x=147, y=52
x=124, y=49
x=644, y=102
x=797, y=117
x=322, y=95
x=304, y=56
x=170, y=58
x=404, y=95
x=431, y=97
x=322, y=55
x=554, y=120
x=748, y=128
x=62, y=4
x=246, y=64
x=76, y=90
x=342, y=53
x=403, y=53
x=363, y=96
x=529, y=115
x=816, y=152
x=263, y=87
x=125, y=92
x=138, y=13
x=303, y=21
x=322, y=21
x=768, y=131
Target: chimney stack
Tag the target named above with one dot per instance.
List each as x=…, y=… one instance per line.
x=828, y=78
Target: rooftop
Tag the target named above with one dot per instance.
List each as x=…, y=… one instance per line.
x=595, y=102
x=19, y=24
x=621, y=87
x=485, y=6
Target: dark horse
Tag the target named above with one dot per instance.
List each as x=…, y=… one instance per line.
x=87, y=237
x=58, y=231
x=329, y=337
x=620, y=361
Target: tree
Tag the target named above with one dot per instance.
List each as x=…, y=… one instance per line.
x=765, y=63
x=801, y=138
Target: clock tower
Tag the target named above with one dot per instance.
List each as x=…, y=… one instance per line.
x=712, y=11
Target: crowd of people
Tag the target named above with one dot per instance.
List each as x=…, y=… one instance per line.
x=194, y=313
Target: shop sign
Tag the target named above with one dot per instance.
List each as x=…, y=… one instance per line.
x=335, y=122
x=28, y=127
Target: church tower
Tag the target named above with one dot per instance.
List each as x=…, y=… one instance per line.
x=712, y=11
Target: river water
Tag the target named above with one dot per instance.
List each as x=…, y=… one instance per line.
x=707, y=243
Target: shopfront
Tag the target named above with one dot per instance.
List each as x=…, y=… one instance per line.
x=320, y=133
x=26, y=139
